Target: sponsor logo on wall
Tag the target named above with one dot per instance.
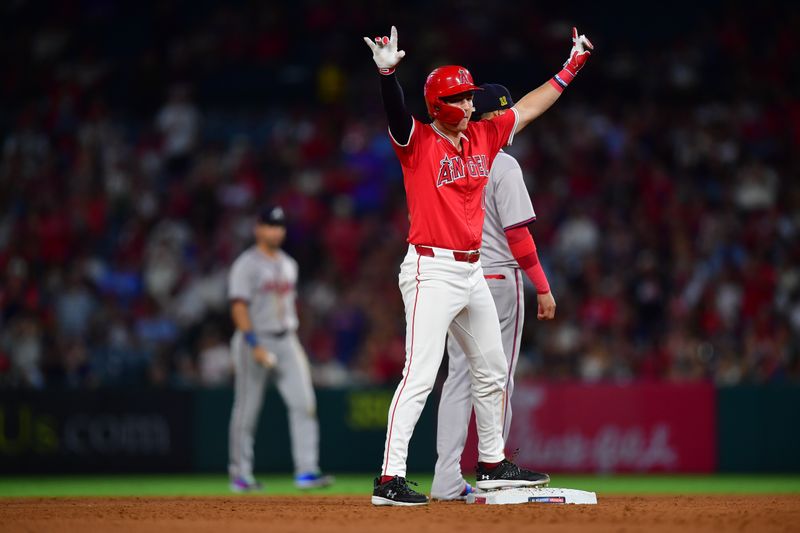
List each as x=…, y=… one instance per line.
x=611, y=448
x=82, y=431
x=87, y=434
x=610, y=428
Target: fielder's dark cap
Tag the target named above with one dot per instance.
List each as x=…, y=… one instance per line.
x=493, y=97
x=272, y=215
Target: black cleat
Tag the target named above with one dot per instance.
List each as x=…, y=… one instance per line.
x=396, y=492
x=508, y=475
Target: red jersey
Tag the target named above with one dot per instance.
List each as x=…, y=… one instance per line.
x=444, y=187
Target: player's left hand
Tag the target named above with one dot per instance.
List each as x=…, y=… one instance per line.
x=580, y=52
x=385, y=52
x=547, y=306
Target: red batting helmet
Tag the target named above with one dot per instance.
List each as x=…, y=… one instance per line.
x=447, y=81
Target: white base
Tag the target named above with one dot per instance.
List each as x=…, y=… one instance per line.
x=533, y=495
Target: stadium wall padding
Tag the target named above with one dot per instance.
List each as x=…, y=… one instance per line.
x=753, y=429
x=646, y=427
x=108, y=430
x=352, y=431
x=759, y=428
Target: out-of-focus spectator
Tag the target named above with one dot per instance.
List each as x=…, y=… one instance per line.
x=756, y=187
x=75, y=370
x=74, y=306
x=22, y=341
x=667, y=206
x=179, y=123
x=215, y=363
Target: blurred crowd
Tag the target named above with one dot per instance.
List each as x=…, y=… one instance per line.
x=138, y=141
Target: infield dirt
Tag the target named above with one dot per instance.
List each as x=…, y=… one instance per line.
x=355, y=513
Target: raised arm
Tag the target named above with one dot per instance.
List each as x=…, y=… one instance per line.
x=540, y=99
x=386, y=57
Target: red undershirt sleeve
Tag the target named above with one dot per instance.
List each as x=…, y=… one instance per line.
x=520, y=241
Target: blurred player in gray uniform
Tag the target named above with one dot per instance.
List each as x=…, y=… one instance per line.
x=262, y=295
x=507, y=251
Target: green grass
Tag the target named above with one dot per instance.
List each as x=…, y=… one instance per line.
x=217, y=485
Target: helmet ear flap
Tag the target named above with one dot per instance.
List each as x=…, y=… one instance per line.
x=449, y=114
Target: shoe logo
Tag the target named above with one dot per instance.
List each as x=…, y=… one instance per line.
x=484, y=476
x=391, y=494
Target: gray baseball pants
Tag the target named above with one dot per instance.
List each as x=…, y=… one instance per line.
x=293, y=379
x=455, y=406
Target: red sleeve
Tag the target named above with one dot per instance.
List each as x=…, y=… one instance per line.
x=499, y=131
x=407, y=153
x=520, y=241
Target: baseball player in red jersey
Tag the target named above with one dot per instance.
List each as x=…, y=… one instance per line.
x=445, y=169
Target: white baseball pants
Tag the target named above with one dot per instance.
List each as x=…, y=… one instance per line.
x=441, y=293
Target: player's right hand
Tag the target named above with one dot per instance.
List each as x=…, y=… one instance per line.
x=385, y=52
x=547, y=306
x=264, y=358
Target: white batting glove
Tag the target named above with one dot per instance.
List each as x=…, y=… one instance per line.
x=578, y=56
x=580, y=52
x=385, y=52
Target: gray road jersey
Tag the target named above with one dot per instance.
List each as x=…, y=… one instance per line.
x=269, y=287
x=507, y=205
